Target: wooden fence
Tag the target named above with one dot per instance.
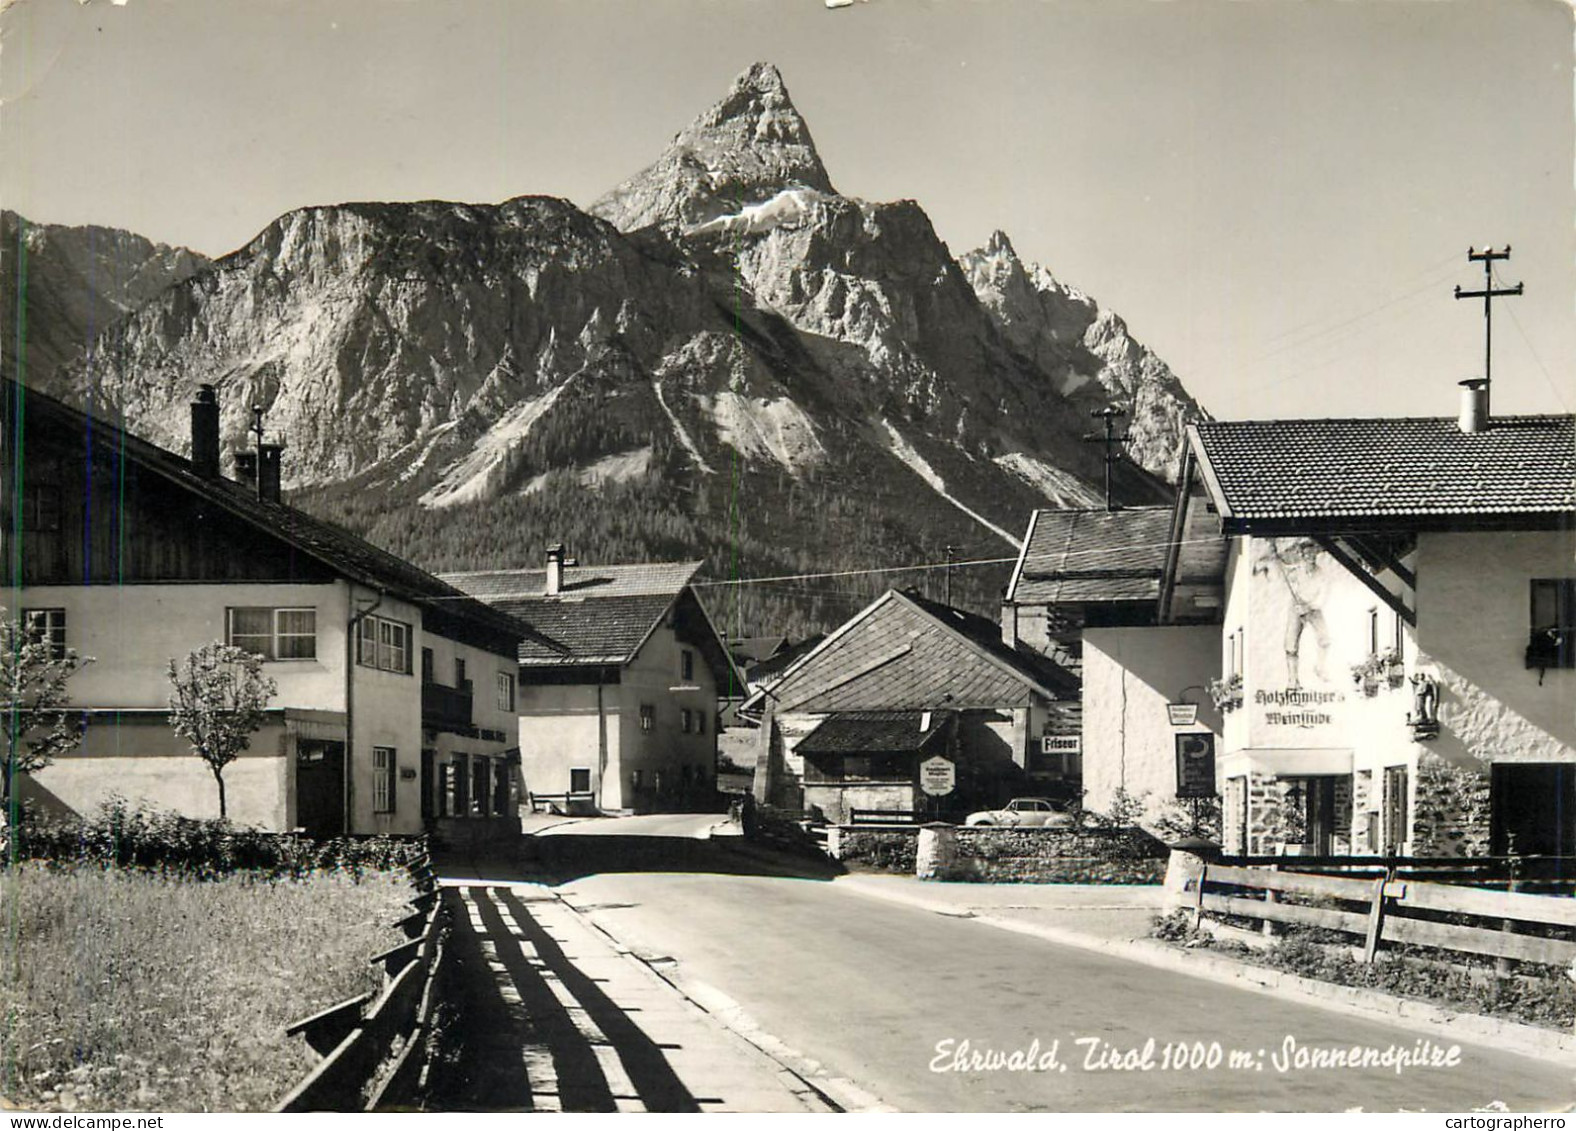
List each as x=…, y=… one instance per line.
x=1549, y=875
x=1388, y=909
x=561, y=802
x=373, y=1045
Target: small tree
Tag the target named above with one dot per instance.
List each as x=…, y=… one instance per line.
x=38, y=724
x=218, y=693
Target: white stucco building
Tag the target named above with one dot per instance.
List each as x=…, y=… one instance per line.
x=620, y=684
x=1399, y=612
x=391, y=712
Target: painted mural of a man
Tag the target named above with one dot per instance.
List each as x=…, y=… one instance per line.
x=1296, y=562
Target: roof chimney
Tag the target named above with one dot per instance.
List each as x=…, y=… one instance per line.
x=246, y=468
x=555, y=569
x=269, y=460
x=1474, y=405
x=205, y=433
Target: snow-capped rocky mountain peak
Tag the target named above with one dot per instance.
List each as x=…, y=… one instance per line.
x=748, y=147
x=726, y=356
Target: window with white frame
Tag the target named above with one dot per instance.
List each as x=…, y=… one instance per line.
x=47, y=627
x=385, y=772
x=384, y=644
x=505, y=691
x=648, y=716
x=272, y=633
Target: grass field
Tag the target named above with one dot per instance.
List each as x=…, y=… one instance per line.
x=122, y=990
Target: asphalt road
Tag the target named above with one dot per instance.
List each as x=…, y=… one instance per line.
x=876, y=1000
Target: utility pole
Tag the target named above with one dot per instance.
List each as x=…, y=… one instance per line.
x=1110, y=439
x=1488, y=257
x=951, y=549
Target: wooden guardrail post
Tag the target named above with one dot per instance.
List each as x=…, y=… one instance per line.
x=1502, y=966
x=1376, y=918
x=1268, y=927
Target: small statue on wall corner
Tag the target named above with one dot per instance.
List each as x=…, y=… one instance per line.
x=1424, y=716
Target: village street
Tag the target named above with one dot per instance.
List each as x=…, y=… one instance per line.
x=870, y=1000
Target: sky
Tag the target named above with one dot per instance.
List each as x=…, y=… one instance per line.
x=1277, y=196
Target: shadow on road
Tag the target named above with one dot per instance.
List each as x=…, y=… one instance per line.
x=534, y=1032
x=561, y=859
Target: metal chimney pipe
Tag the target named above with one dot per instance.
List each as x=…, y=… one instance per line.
x=1474, y=405
x=555, y=569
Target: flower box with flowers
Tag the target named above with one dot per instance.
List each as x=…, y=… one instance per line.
x=1225, y=693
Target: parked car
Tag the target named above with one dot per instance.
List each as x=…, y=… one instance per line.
x=1026, y=811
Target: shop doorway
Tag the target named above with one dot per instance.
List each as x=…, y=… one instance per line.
x=320, y=787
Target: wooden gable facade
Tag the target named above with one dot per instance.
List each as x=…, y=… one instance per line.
x=906, y=658
x=82, y=513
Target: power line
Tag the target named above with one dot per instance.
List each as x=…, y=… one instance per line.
x=1313, y=341
x=1547, y=376
x=1488, y=257
x=1316, y=329
x=915, y=568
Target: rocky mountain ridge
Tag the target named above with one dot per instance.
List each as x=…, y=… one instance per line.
x=724, y=352
x=68, y=284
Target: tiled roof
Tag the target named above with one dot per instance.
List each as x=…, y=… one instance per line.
x=755, y=649
x=883, y=732
x=340, y=550
x=906, y=653
x=1092, y=555
x=1387, y=469
x=604, y=631
x=579, y=582
x=769, y=669
x=985, y=634
x=601, y=615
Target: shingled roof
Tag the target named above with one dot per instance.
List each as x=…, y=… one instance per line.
x=904, y=652
x=643, y=579
x=601, y=614
x=1072, y=556
x=341, y=551
x=884, y=732
x=1425, y=473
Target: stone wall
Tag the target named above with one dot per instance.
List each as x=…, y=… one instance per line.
x=1364, y=803
x=1232, y=833
x=1059, y=856
x=1265, y=825
x=1452, y=809
x=879, y=849
x=999, y=855
x=1341, y=838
